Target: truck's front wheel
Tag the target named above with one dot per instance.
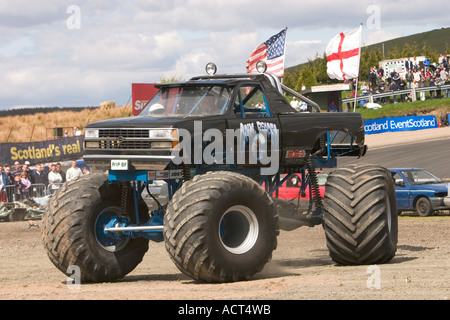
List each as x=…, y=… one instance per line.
x=221, y=227
x=73, y=231
x=360, y=219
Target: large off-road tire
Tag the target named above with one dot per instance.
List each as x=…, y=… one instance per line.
x=72, y=230
x=221, y=227
x=360, y=218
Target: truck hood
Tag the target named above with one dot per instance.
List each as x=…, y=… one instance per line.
x=151, y=122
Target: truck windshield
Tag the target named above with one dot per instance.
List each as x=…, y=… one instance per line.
x=186, y=101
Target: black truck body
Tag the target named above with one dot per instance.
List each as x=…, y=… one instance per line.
x=222, y=145
x=128, y=138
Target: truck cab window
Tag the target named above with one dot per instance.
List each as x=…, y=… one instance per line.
x=251, y=102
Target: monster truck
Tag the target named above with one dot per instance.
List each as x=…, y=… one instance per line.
x=223, y=144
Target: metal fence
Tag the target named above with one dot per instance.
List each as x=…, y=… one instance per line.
x=412, y=94
x=13, y=193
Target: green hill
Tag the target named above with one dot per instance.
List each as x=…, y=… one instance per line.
x=426, y=43
x=438, y=40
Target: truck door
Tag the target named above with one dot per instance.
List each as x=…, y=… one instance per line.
x=258, y=130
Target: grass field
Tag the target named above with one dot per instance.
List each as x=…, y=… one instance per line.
x=438, y=107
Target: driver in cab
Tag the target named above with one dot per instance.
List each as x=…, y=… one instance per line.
x=208, y=106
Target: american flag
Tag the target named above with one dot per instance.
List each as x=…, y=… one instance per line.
x=272, y=52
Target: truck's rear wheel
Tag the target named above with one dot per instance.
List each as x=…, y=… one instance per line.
x=73, y=231
x=221, y=227
x=360, y=219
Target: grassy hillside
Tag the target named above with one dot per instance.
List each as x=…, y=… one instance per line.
x=438, y=40
x=39, y=126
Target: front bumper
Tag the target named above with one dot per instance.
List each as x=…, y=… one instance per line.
x=440, y=203
x=139, y=148
x=136, y=162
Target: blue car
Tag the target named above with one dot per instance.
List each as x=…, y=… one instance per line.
x=419, y=190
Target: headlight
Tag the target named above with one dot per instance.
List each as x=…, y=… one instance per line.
x=161, y=134
x=91, y=133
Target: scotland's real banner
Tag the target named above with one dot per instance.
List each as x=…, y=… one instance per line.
x=400, y=124
x=42, y=151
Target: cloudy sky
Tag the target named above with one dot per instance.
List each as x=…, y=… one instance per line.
x=80, y=53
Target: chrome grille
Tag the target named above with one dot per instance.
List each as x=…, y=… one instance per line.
x=124, y=133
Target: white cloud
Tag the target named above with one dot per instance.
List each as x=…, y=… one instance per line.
x=121, y=42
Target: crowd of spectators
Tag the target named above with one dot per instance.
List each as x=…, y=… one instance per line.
x=417, y=75
x=21, y=182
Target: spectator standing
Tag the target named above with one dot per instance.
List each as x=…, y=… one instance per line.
x=353, y=88
x=3, y=183
x=432, y=83
x=380, y=71
x=408, y=65
x=414, y=86
x=40, y=179
x=26, y=184
x=17, y=169
x=332, y=107
x=3, y=177
x=409, y=78
x=373, y=76
x=85, y=171
x=416, y=75
x=294, y=103
x=364, y=89
x=60, y=171
x=395, y=85
x=426, y=63
x=17, y=194
x=445, y=62
x=416, y=65
x=9, y=176
x=444, y=80
x=422, y=84
x=402, y=86
x=441, y=60
x=73, y=172
x=54, y=179
x=26, y=170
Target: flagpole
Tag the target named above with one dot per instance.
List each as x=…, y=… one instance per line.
x=359, y=62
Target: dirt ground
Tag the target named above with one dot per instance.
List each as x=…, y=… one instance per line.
x=300, y=269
